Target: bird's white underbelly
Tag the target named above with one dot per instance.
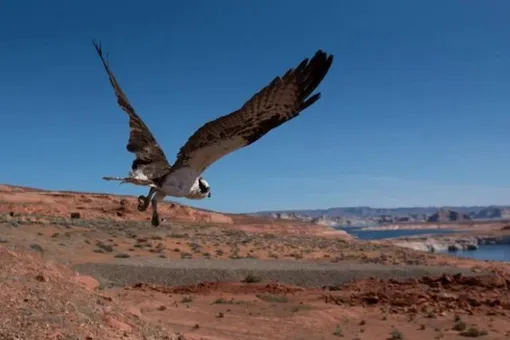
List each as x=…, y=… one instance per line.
x=180, y=183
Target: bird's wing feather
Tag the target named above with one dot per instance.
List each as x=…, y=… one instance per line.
x=150, y=162
x=280, y=101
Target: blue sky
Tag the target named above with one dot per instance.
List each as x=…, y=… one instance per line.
x=414, y=111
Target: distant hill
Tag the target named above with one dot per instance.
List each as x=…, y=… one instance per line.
x=373, y=212
x=492, y=213
x=447, y=215
x=367, y=215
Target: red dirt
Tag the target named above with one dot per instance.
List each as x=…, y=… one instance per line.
x=42, y=300
x=208, y=288
x=457, y=293
x=427, y=308
x=484, y=294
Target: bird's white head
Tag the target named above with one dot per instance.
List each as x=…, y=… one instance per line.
x=205, y=189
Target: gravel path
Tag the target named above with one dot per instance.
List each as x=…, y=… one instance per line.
x=183, y=272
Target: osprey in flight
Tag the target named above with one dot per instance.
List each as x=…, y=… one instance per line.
x=280, y=101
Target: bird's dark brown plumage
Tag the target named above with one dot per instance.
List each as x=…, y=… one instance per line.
x=280, y=101
x=150, y=158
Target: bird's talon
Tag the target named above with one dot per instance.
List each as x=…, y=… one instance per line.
x=142, y=203
x=155, y=220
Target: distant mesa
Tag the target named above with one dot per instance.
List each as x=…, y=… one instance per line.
x=323, y=220
x=366, y=216
x=447, y=215
x=493, y=213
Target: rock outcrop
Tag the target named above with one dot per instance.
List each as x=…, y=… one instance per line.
x=447, y=215
x=491, y=213
x=366, y=216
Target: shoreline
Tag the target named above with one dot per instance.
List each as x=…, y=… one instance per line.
x=450, y=243
x=471, y=225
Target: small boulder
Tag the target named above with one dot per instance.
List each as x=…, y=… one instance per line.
x=471, y=246
x=454, y=248
x=87, y=281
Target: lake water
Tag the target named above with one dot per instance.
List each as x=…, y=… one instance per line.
x=382, y=234
x=492, y=252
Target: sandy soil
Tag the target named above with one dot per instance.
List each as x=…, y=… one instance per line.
x=149, y=283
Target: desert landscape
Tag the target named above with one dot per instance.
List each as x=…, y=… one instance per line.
x=90, y=266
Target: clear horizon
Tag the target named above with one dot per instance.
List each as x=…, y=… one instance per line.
x=414, y=111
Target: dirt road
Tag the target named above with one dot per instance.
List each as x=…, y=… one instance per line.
x=306, y=274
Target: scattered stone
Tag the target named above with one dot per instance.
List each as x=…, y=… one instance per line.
x=454, y=247
x=103, y=246
x=75, y=215
x=471, y=246
x=37, y=247
x=41, y=278
x=87, y=281
x=134, y=311
x=116, y=324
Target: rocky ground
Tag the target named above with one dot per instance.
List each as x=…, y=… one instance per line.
x=207, y=275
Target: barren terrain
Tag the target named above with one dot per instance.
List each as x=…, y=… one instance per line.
x=208, y=275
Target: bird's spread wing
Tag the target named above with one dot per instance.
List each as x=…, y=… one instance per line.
x=150, y=163
x=280, y=101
